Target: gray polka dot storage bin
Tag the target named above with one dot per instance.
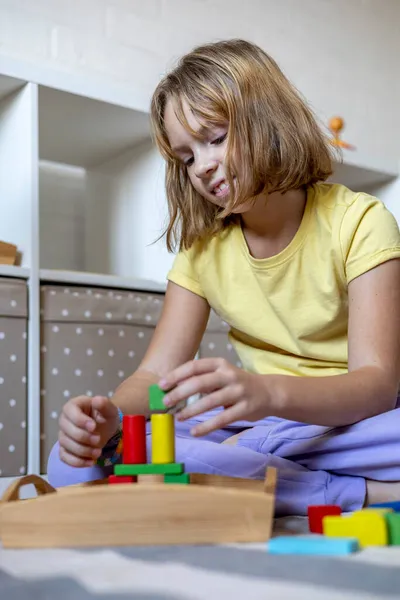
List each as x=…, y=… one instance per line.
x=215, y=341
x=13, y=376
x=91, y=340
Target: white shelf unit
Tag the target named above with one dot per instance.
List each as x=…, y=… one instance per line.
x=81, y=194
x=100, y=280
x=14, y=271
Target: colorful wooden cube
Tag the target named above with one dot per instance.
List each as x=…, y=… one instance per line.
x=121, y=479
x=317, y=513
x=395, y=506
x=393, y=523
x=183, y=478
x=368, y=526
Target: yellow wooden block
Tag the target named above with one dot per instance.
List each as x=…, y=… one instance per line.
x=368, y=526
x=162, y=438
x=338, y=526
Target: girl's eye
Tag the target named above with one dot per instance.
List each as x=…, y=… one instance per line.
x=219, y=140
x=189, y=162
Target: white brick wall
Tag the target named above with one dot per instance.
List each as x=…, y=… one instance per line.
x=342, y=54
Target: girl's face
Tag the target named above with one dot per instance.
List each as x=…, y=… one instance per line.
x=203, y=158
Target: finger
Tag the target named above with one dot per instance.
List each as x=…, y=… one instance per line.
x=82, y=436
x=78, y=412
x=189, y=369
x=103, y=409
x=223, y=419
x=77, y=449
x=222, y=397
x=74, y=461
x=201, y=384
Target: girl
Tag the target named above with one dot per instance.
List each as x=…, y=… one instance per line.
x=306, y=274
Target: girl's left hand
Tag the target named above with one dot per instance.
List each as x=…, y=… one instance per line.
x=245, y=396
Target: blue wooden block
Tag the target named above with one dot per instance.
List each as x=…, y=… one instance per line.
x=318, y=544
x=394, y=505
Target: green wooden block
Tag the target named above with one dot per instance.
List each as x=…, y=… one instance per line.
x=393, y=523
x=149, y=469
x=156, y=396
x=182, y=478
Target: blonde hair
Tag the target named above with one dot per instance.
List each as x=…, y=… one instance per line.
x=272, y=133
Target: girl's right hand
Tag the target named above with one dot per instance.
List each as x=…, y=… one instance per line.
x=86, y=425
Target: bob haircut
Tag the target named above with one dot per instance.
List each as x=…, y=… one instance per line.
x=272, y=133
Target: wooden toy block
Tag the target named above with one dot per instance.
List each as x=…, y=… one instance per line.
x=149, y=469
x=150, y=479
x=393, y=524
x=162, y=439
x=156, y=397
x=298, y=544
x=395, y=506
x=121, y=479
x=372, y=527
x=96, y=514
x=369, y=527
x=338, y=527
x=182, y=478
x=317, y=513
x=134, y=439
x=8, y=253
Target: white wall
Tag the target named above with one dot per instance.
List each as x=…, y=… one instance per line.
x=62, y=193
x=17, y=137
x=125, y=213
x=390, y=195
x=342, y=54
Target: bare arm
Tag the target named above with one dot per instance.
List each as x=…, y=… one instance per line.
x=372, y=383
x=176, y=340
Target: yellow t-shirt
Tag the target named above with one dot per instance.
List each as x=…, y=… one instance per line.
x=288, y=313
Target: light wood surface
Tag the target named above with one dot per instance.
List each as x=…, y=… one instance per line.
x=150, y=479
x=109, y=515
x=267, y=485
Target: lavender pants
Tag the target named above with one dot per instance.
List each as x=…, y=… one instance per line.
x=316, y=465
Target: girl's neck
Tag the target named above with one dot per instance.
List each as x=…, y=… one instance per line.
x=271, y=224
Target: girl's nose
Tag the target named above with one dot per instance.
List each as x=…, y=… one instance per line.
x=205, y=168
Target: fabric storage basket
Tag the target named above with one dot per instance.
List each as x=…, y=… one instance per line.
x=13, y=376
x=91, y=340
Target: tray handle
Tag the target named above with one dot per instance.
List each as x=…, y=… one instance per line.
x=41, y=486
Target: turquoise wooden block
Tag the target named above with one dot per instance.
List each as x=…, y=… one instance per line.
x=320, y=545
x=394, y=505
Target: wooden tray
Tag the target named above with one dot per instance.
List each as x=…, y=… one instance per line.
x=212, y=509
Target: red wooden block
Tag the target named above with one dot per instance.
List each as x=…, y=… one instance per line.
x=134, y=440
x=121, y=479
x=317, y=513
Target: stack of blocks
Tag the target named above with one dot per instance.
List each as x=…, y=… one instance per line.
x=334, y=533
x=134, y=453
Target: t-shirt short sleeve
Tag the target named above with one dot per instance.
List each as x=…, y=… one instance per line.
x=184, y=272
x=369, y=236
